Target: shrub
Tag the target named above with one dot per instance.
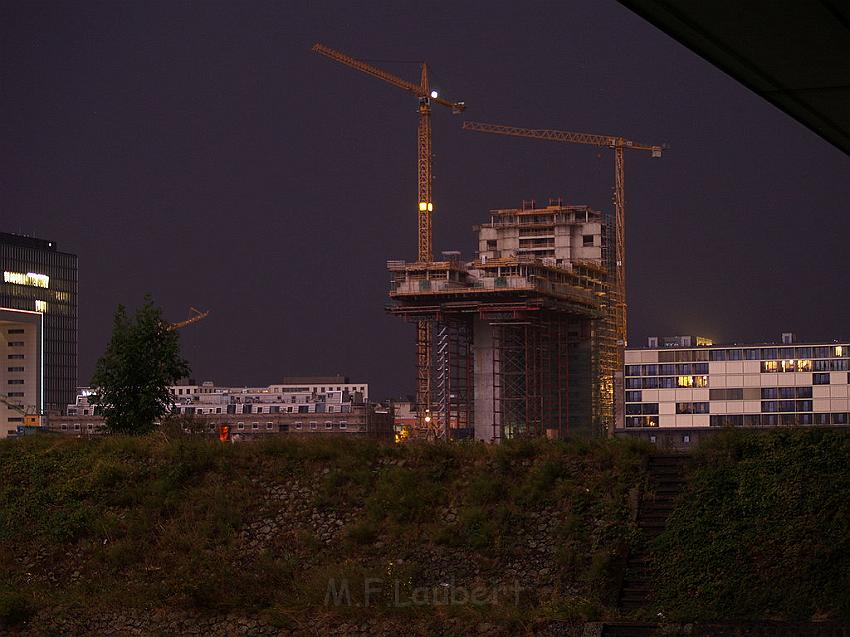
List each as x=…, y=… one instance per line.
x=15, y=607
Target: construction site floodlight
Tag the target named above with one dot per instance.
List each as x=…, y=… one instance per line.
x=434, y=95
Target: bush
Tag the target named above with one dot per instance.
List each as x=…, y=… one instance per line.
x=15, y=607
x=763, y=529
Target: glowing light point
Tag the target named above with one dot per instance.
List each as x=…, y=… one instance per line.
x=434, y=95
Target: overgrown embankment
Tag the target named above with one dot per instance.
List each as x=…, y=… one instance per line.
x=300, y=535
x=762, y=531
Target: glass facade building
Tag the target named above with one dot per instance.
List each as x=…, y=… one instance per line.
x=38, y=277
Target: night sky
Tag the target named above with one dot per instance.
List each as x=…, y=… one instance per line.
x=200, y=152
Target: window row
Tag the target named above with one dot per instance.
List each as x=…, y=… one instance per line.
x=774, y=420
x=76, y=427
x=269, y=426
x=806, y=365
x=667, y=369
x=753, y=353
x=771, y=393
x=666, y=382
x=232, y=409
x=786, y=405
x=755, y=420
x=641, y=421
x=636, y=409
x=692, y=408
x=315, y=425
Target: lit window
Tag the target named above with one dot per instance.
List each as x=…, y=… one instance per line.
x=804, y=366
x=41, y=306
x=30, y=278
x=769, y=366
x=839, y=350
x=685, y=381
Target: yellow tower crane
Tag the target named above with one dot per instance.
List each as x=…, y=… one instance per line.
x=31, y=414
x=426, y=97
x=618, y=144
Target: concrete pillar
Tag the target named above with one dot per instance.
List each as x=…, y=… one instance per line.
x=482, y=352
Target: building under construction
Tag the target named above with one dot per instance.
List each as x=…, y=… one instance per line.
x=523, y=337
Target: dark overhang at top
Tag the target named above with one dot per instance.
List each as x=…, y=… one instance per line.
x=795, y=54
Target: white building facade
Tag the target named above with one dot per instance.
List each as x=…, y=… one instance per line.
x=22, y=371
x=294, y=408
x=687, y=386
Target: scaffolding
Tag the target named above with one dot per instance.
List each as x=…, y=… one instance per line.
x=454, y=400
x=524, y=337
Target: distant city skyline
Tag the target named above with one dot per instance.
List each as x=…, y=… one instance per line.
x=202, y=153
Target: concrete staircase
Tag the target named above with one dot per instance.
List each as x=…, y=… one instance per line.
x=629, y=630
x=666, y=479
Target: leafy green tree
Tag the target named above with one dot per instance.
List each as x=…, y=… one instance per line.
x=133, y=376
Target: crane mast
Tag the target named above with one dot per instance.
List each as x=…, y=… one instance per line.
x=619, y=145
x=425, y=207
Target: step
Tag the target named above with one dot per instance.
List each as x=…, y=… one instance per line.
x=668, y=482
x=628, y=630
x=665, y=468
x=652, y=523
x=655, y=505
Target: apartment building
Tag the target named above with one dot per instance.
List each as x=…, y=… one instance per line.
x=681, y=385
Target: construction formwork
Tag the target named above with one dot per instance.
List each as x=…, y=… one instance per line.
x=520, y=346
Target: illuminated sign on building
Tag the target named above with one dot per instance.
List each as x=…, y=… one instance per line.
x=30, y=278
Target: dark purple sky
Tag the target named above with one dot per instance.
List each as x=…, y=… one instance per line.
x=200, y=152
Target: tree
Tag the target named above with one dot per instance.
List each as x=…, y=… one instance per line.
x=133, y=376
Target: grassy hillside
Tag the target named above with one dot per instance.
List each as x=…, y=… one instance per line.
x=261, y=529
x=763, y=530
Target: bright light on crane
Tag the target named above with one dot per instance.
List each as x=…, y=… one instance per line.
x=434, y=94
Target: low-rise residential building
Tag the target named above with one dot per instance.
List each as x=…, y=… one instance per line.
x=289, y=408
